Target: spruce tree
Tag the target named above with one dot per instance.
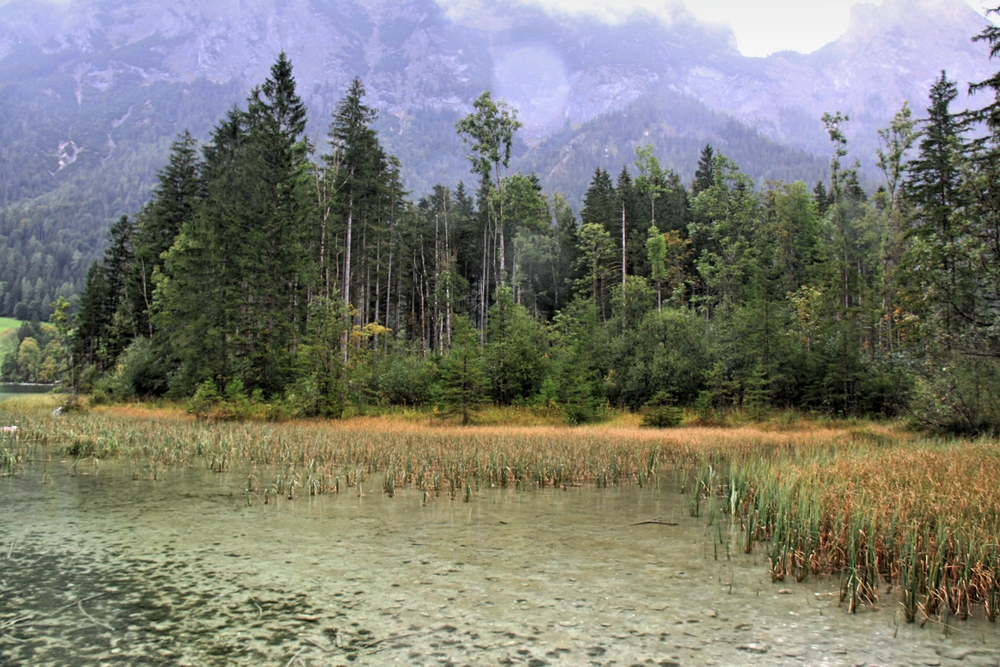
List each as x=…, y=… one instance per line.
x=599, y=201
x=357, y=166
x=704, y=175
x=104, y=331
x=234, y=296
x=173, y=203
x=934, y=188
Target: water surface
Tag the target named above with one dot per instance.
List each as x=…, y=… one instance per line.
x=103, y=569
x=10, y=389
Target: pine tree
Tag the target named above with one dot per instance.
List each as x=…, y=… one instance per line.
x=234, y=296
x=173, y=203
x=357, y=167
x=275, y=264
x=105, y=326
x=515, y=350
x=704, y=175
x=934, y=188
x=463, y=382
x=94, y=318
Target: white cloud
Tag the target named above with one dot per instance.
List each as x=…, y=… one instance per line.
x=761, y=26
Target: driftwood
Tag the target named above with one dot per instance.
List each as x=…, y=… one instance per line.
x=656, y=522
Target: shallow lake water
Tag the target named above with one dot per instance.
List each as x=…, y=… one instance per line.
x=10, y=390
x=103, y=569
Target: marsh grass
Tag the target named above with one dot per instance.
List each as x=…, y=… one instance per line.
x=881, y=510
x=879, y=507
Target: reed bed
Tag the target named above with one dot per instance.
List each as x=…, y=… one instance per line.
x=922, y=516
x=410, y=454
x=882, y=508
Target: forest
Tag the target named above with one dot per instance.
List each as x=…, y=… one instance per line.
x=271, y=277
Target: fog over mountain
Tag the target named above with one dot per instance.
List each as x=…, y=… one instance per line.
x=91, y=83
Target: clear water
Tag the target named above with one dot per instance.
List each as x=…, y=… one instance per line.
x=103, y=569
x=7, y=390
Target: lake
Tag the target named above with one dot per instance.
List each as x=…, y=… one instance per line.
x=8, y=389
x=99, y=568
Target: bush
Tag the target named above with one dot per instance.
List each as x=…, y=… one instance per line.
x=958, y=395
x=311, y=398
x=660, y=412
x=205, y=398
x=134, y=375
x=405, y=380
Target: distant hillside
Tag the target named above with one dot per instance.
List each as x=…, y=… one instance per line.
x=92, y=93
x=679, y=128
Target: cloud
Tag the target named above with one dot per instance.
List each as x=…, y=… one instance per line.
x=62, y=3
x=762, y=27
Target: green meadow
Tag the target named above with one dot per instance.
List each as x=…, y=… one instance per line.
x=9, y=323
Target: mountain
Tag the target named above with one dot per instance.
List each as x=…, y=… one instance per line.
x=890, y=54
x=423, y=65
x=93, y=91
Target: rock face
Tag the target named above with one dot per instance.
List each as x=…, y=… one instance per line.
x=423, y=65
x=890, y=53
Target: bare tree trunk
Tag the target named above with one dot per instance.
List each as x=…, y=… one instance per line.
x=503, y=247
x=363, y=297
x=388, y=289
x=378, y=283
x=347, y=251
x=624, y=304
x=447, y=252
x=347, y=279
x=438, y=320
x=623, y=252
x=482, y=284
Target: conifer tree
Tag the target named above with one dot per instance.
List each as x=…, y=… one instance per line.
x=173, y=203
x=463, y=381
x=234, y=298
x=357, y=165
x=102, y=335
x=704, y=175
x=934, y=188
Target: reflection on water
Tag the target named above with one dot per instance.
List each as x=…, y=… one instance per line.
x=8, y=389
x=102, y=569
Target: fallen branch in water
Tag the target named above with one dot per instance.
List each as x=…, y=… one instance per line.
x=32, y=615
x=654, y=521
x=79, y=605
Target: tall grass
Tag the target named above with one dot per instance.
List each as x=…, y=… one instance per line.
x=881, y=508
x=920, y=515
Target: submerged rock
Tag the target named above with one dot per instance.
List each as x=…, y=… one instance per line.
x=755, y=647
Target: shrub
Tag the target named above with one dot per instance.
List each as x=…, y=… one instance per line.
x=660, y=412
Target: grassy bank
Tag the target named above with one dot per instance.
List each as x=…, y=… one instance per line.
x=9, y=323
x=877, y=505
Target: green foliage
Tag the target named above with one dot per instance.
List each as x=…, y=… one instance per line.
x=664, y=354
x=321, y=384
x=133, y=375
x=660, y=412
x=573, y=382
x=515, y=353
x=958, y=394
x=405, y=379
x=463, y=383
x=204, y=400
x=307, y=287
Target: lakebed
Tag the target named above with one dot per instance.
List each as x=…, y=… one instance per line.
x=101, y=568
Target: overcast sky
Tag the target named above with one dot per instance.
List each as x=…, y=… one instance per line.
x=761, y=26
